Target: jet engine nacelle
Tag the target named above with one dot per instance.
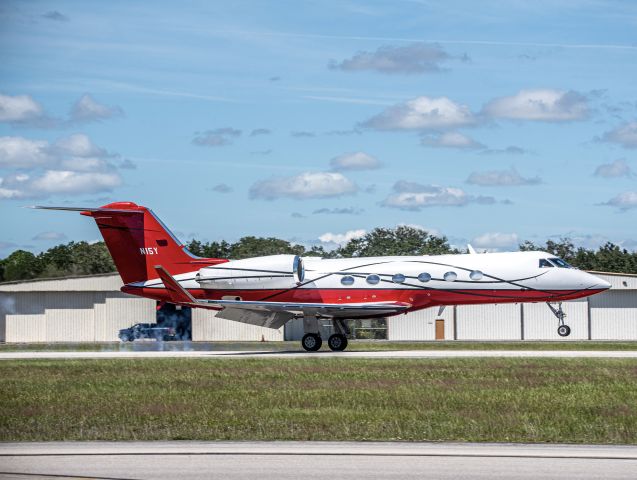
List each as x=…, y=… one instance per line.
x=273, y=271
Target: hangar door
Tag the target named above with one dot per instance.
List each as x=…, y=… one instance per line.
x=613, y=315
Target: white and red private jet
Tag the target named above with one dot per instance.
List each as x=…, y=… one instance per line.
x=272, y=290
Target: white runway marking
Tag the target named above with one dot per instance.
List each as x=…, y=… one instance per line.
x=326, y=354
x=313, y=460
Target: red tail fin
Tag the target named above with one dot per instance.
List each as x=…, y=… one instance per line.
x=138, y=240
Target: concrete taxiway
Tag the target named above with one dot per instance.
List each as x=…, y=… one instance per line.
x=313, y=460
x=51, y=355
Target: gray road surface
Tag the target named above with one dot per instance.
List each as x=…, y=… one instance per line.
x=326, y=354
x=313, y=460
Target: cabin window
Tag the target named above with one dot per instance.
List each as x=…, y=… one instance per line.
x=560, y=263
x=544, y=263
x=424, y=277
x=398, y=278
x=373, y=279
x=476, y=275
x=347, y=280
x=450, y=276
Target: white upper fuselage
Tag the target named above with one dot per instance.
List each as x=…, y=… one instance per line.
x=419, y=281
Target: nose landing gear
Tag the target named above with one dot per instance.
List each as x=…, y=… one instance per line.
x=563, y=330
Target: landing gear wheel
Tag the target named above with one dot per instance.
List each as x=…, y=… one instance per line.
x=311, y=342
x=563, y=330
x=337, y=342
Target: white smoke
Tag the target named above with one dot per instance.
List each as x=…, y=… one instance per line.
x=7, y=305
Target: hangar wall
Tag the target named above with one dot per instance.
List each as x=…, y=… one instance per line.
x=89, y=309
x=92, y=309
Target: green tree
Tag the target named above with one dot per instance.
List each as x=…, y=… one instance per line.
x=248, y=247
x=21, y=265
x=76, y=258
x=402, y=240
x=607, y=258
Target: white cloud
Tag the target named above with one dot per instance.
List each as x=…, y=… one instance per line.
x=49, y=236
x=501, y=178
x=303, y=186
x=79, y=145
x=496, y=240
x=618, y=168
x=20, y=152
x=354, y=161
x=19, y=108
x=341, y=239
x=625, y=135
x=216, y=138
x=423, y=113
x=221, y=188
x=451, y=140
x=53, y=182
x=56, y=16
x=87, y=109
x=547, y=105
x=71, y=165
x=623, y=201
x=414, y=196
x=338, y=211
x=409, y=59
x=62, y=181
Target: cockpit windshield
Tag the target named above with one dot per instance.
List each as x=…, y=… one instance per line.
x=560, y=263
x=553, y=262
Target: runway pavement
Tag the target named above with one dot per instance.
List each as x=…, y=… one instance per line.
x=23, y=355
x=313, y=460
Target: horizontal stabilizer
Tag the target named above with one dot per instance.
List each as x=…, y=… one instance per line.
x=87, y=209
x=178, y=294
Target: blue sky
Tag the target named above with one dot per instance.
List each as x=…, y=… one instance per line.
x=317, y=121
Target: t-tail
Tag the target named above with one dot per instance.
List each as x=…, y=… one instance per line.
x=138, y=241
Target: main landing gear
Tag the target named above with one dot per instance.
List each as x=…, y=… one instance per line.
x=563, y=330
x=312, y=340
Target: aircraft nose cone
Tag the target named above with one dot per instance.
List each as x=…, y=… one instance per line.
x=604, y=284
x=600, y=283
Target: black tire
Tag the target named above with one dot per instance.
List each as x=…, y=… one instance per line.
x=311, y=342
x=563, y=330
x=337, y=342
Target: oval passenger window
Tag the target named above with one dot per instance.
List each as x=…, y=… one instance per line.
x=398, y=278
x=476, y=275
x=451, y=276
x=424, y=277
x=347, y=280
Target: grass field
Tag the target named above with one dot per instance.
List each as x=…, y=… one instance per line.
x=357, y=345
x=500, y=400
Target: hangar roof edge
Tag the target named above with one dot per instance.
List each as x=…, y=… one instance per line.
x=49, y=279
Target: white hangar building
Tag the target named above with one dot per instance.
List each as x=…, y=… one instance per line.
x=92, y=309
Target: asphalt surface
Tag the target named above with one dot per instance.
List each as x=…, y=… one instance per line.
x=313, y=460
x=23, y=355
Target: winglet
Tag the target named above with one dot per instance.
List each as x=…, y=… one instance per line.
x=178, y=294
x=472, y=250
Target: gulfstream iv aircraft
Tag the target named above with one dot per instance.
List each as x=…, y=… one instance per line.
x=269, y=291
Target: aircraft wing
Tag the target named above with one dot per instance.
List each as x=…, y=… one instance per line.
x=276, y=314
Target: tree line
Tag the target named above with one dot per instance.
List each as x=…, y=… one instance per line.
x=82, y=258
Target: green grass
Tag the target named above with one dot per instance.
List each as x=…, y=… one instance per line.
x=499, y=400
x=357, y=345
